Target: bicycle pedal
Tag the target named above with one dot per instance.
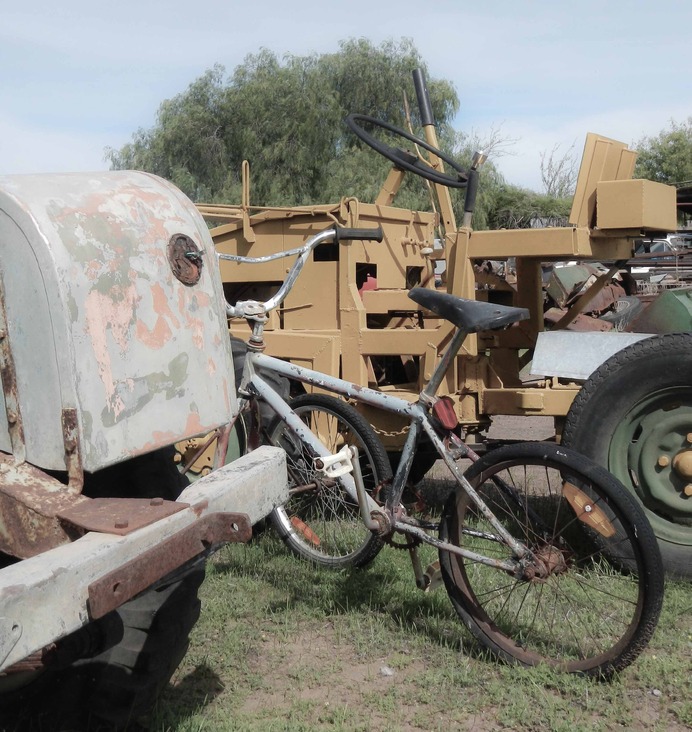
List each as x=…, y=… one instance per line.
x=333, y=466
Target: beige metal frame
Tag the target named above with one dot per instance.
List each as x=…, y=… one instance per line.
x=349, y=312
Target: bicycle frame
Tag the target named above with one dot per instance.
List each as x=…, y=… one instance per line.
x=392, y=517
x=252, y=384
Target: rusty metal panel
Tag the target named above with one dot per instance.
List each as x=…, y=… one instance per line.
x=115, y=309
x=29, y=503
x=119, y=516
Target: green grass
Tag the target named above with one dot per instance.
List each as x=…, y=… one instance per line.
x=283, y=645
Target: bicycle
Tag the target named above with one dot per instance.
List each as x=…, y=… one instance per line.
x=544, y=555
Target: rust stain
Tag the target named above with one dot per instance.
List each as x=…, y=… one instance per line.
x=29, y=503
x=155, y=337
x=193, y=425
x=161, y=305
x=161, y=333
x=112, y=313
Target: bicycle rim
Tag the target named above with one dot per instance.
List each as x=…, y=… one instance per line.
x=594, y=603
x=320, y=521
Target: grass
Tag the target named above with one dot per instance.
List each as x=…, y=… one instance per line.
x=283, y=645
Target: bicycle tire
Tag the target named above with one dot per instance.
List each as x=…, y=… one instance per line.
x=598, y=605
x=323, y=525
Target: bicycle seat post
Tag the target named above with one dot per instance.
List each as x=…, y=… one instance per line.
x=445, y=362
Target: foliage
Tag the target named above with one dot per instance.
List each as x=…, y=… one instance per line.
x=666, y=157
x=286, y=118
x=559, y=174
x=519, y=208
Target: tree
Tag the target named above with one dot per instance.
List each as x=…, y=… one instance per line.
x=286, y=118
x=559, y=174
x=519, y=208
x=666, y=157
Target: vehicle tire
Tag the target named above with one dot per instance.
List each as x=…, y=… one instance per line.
x=634, y=416
x=122, y=683
x=626, y=310
x=323, y=524
x=597, y=603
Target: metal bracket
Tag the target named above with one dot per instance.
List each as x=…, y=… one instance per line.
x=123, y=583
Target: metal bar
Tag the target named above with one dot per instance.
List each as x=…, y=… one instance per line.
x=121, y=585
x=55, y=584
x=8, y=375
x=508, y=565
x=299, y=429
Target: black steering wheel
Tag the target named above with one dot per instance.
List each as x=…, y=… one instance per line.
x=403, y=159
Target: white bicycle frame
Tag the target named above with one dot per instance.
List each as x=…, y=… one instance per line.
x=391, y=516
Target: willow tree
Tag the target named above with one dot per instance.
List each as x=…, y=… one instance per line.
x=285, y=116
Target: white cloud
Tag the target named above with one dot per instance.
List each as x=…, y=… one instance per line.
x=79, y=75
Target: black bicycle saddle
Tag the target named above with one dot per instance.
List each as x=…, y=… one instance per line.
x=470, y=316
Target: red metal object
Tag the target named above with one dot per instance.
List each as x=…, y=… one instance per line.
x=119, y=515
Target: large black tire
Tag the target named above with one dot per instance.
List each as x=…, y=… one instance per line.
x=122, y=684
x=592, y=601
x=323, y=524
x=110, y=672
x=148, y=637
x=634, y=416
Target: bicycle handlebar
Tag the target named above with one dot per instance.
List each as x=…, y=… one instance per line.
x=254, y=308
x=343, y=234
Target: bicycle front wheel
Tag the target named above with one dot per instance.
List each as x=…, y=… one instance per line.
x=588, y=598
x=321, y=522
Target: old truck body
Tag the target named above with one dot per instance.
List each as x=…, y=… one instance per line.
x=113, y=346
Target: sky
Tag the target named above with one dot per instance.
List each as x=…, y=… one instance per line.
x=80, y=76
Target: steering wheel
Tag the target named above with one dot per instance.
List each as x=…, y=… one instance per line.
x=403, y=159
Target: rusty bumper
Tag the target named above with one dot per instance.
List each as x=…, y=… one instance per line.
x=45, y=598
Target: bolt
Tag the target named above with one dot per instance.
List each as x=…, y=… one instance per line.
x=588, y=508
x=156, y=502
x=122, y=524
x=11, y=416
x=688, y=490
x=177, y=458
x=663, y=461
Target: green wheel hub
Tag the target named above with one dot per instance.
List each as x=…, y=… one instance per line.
x=651, y=453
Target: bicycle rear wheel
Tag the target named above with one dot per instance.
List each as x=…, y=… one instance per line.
x=592, y=605
x=321, y=522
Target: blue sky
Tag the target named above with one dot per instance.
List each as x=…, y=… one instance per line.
x=77, y=77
